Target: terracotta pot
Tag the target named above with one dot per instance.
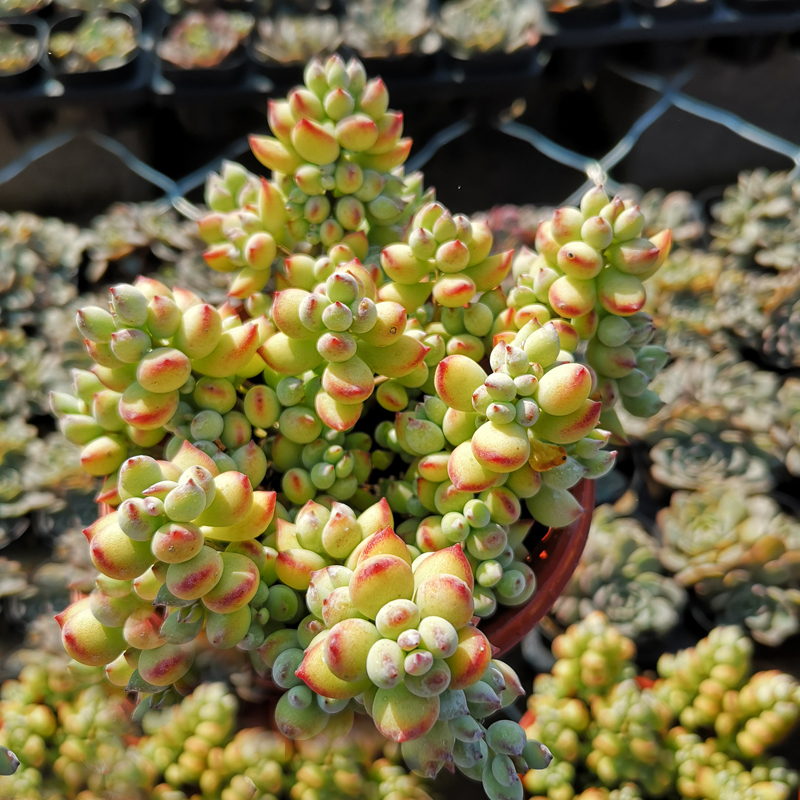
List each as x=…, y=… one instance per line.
x=553, y=565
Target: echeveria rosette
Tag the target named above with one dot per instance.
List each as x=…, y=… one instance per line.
x=756, y=220
x=714, y=395
x=703, y=461
x=737, y=552
x=620, y=574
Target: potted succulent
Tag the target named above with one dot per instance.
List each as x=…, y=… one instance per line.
x=498, y=33
x=392, y=35
x=94, y=45
x=202, y=47
x=284, y=43
x=675, y=9
x=338, y=477
x=21, y=47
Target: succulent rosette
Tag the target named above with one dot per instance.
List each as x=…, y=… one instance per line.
x=738, y=553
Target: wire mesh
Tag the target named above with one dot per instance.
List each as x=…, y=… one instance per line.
x=594, y=170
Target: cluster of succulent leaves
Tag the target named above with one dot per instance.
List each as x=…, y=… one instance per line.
x=726, y=423
x=383, y=301
x=703, y=728
x=74, y=738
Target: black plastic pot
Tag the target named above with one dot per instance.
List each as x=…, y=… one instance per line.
x=413, y=65
x=492, y=63
x=101, y=77
x=35, y=29
x=282, y=75
x=764, y=6
x=744, y=49
x=663, y=55
x=591, y=15
x=229, y=71
x=675, y=11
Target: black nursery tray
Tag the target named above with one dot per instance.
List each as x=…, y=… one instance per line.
x=644, y=21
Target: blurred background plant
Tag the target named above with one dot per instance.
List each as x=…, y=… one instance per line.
x=203, y=40
x=386, y=28
x=621, y=575
x=101, y=41
x=291, y=40
x=475, y=27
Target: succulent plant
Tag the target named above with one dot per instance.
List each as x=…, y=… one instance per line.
x=100, y=42
x=17, y=52
x=632, y=724
x=757, y=307
x=713, y=395
x=473, y=27
x=35, y=475
x=620, y=574
x=707, y=770
x=789, y=423
x=590, y=266
x=681, y=297
x=289, y=39
x=199, y=40
x=384, y=28
x=76, y=740
x=739, y=554
x=635, y=738
x=756, y=220
x=677, y=211
x=135, y=234
x=693, y=681
x=702, y=461
x=385, y=301
x=39, y=261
